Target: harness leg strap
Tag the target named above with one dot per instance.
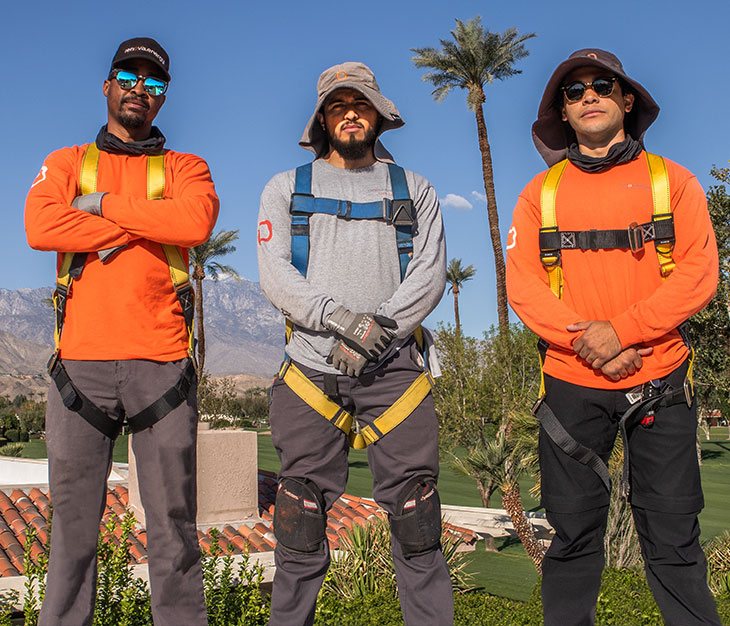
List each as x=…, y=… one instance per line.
x=170, y=400
x=76, y=401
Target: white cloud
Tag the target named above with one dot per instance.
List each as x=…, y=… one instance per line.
x=479, y=196
x=456, y=202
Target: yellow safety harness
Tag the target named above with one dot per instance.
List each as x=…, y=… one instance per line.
x=359, y=438
x=646, y=398
x=72, y=264
x=71, y=267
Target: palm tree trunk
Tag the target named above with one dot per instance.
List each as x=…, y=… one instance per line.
x=512, y=503
x=493, y=215
x=201, y=324
x=457, y=319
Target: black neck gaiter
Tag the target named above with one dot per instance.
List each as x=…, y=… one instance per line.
x=618, y=153
x=111, y=143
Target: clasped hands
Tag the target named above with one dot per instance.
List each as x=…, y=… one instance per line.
x=363, y=337
x=599, y=346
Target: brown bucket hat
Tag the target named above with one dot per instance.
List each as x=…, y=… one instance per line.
x=552, y=136
x=352, y=75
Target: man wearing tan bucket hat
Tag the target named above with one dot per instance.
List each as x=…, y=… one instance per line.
x=610, y=252
x=351, y=251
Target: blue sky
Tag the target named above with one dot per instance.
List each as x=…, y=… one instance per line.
x=243, y=87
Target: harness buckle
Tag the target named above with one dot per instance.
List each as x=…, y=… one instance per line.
x=347, y=212
x=636, y=237
x=537, y=404
x=402, y=212
x=687, y=391
x=52, y=362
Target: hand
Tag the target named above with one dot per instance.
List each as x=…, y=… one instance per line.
x=598, y=344
x=626, y=363
x=90, y=203
x=367, y=333
x=350, y=362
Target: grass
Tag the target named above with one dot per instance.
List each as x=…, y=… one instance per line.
x=509, y=572
x=36, y=449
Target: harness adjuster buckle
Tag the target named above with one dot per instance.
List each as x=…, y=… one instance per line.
x=550, y=258
x=401, y=212
x=347, y=212
x=636, y=237
x=688, y=392
x=52, y=362
x=537, y=404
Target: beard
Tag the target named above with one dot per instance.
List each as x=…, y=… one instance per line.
x=355, y=149
x=131, y=119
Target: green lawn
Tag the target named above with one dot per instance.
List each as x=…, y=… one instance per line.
x=509, y=572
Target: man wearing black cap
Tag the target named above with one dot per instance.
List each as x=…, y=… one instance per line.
x=610, y=252
x=351, y=251
x=121, y=213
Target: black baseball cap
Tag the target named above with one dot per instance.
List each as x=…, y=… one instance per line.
x=143, y=48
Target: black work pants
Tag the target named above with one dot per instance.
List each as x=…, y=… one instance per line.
x=311, y=447
x=665, y=496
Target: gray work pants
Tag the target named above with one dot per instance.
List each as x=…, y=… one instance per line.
x=311, y=447
x=79, y=461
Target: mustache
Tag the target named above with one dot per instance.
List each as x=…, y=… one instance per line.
x=136, y=99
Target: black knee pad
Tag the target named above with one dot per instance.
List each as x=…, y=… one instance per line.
x=417, y=522
x=299, y=518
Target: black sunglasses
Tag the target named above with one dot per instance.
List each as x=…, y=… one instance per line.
x=128, y=80
x=603, y=87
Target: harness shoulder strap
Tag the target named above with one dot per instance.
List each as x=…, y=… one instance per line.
x=548, y=195
x=662, y=210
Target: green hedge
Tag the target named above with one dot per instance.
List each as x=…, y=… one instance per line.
x=624, y=600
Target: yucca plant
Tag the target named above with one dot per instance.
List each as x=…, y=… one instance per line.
x=718, y=563
x=364, y=565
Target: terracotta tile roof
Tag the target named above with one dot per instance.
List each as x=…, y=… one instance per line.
x=20, y=510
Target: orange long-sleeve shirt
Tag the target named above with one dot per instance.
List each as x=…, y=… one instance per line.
x=125, y=308
x=617, y=285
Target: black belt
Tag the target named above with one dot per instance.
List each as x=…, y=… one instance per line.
x=76, y=401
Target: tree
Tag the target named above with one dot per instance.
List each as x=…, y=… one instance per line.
x=487, y=385
x=474, y=58
x=710, y=328
x=456, y=276
x=202, y=258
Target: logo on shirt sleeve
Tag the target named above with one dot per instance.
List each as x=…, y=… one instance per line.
x=41, y=176
x=265, y=231
x=511, y=238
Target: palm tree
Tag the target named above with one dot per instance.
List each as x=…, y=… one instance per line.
x=202, y=259
x=474, y=58
x=456, y=276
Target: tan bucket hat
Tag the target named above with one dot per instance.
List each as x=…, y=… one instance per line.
x=352, y=75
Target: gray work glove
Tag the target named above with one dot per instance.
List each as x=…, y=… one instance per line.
x=367, y=333
x=350, y=362
x=90, y=202
x=106, y=255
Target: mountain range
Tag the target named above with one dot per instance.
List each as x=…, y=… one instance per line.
x=244, y=334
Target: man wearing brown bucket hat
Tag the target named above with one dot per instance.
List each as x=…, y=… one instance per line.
x=610, y=252
x=121, y=213
x=351, y=251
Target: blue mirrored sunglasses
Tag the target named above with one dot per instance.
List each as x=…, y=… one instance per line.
x=128, y=80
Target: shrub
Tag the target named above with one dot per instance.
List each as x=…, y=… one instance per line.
x=12, y=434
x=718, y=563
x=24, y=436
x=12, y=449
x=364, y=565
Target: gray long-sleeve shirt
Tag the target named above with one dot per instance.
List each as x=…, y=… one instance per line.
x=353, y=263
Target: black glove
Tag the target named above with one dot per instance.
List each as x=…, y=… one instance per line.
x=367, y=333
x=350, y=362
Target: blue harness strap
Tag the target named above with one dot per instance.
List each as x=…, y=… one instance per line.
x=398, y=212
